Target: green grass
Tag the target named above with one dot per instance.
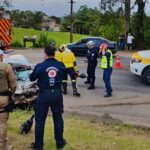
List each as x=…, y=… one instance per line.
x=81, y=135
x=59, y=37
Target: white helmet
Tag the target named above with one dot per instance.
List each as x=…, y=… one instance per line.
x=90, y=43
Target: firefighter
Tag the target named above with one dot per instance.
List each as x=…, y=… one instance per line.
x=49, y=75
x=69, y=61
x=92, y=63
x=106, y=65
x=58, y=53
x=7, y=86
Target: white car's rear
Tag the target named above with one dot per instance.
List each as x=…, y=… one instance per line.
x=140, y=65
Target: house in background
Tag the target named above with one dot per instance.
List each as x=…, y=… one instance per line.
x=49, y=24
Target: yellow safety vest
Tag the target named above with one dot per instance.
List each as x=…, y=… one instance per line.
x=107, y=62
x=68, y=59
x=58, y=56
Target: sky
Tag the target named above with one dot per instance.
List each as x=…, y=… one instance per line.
x=57, y=7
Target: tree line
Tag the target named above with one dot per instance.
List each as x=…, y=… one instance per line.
x=109, y=19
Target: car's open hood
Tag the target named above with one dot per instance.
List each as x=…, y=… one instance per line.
x=17, y=59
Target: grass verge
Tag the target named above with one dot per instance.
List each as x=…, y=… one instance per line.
x=81, y=135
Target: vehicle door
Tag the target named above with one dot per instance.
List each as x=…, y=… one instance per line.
x=80, y=47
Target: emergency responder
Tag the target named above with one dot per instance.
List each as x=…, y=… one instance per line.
x=69, y=61
x=7, y=86
x=92, y=63
x=58, y=54
x=106, y=64
x=49, y=75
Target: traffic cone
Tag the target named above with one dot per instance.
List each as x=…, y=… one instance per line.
x=118, y=64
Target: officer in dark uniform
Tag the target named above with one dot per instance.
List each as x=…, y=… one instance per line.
x=49, y=76
x=92, y=63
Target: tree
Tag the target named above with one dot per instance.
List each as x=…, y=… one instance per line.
x=127, y=12
x=140, y=23
x=117, y=5
x=5, y=3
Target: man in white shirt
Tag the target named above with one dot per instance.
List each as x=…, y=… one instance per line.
x=129, y=41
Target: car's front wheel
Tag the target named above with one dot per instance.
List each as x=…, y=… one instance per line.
x=146, y=76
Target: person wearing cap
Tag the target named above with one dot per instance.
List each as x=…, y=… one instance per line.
x=106, y=64
x=7, y=87
x=92, y=63
x=69, y=61
x=49, y=75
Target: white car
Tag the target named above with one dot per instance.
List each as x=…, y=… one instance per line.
x=140, y=65
x=26, y=90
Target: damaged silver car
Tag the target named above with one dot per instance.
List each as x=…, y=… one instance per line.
x=26, y=90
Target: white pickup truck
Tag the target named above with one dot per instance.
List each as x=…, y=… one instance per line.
x=140, y=65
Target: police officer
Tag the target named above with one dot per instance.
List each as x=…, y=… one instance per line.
x=92, y=63
x=49, y=76
x=69, y=61
x=106, y=65
x=7, y=86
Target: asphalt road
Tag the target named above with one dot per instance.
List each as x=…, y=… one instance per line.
x=130, y=102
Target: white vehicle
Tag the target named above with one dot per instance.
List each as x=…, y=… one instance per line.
x=26, y=90
x=140, y=65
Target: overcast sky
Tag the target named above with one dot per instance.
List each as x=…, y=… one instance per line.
x=57, y=7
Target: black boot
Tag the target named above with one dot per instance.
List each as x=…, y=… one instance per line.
x=64, y=87
x=75, y=91
x=88, y=81
x=92, y=84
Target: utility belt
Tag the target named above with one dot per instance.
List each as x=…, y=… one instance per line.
x=9, y=107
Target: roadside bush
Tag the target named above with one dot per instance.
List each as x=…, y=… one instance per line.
x=16, y=44
x=43, y=40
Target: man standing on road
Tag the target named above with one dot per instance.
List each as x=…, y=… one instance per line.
x=49, y=75
x=92, y=63
x=7, y=87
x=106, y=65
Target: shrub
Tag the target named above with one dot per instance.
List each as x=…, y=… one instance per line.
x=43, y=40
x=16, y=44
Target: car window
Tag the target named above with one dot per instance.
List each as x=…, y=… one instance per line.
x=82, y=41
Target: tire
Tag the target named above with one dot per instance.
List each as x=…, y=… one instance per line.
x=146, y=76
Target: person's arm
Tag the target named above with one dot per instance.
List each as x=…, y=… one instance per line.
x=34, y=74
x=107, y=54
x=12, y=83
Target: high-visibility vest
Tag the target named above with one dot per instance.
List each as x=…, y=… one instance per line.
x=58, y=56
x=107, y=62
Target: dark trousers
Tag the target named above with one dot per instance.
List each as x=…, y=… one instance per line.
x=91, y=72
x=54, y=100
x=106, y=77
x=129, y=46
x=71, y=73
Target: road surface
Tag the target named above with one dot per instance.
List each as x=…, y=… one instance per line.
x=130, y=102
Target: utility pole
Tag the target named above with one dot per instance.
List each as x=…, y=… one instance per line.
x=71, y=21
